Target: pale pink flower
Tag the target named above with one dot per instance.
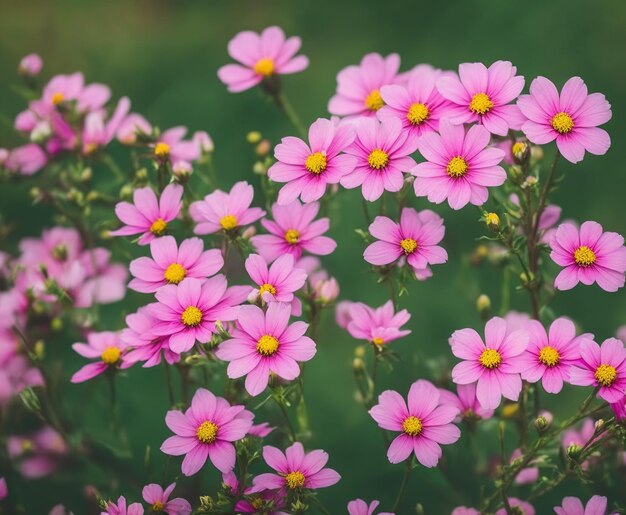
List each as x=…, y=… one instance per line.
x=30, y=65
x=132, y=126
x=574, y=506
x=579, y=437
x=527, y=475
x=26, y=160
x=159, y=500
x=276, y=282
x=522, y=507
x=108, y=348
x=171, y=146
x=39, y=454
x=261, y=430
x=466, y=402
x=122, y=508
x=377, y=325
x=98, y=131
x=464, y=510
x=360, y=507
x=144, y=345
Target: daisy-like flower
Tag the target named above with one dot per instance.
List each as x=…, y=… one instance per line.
x=296, y=470
x=188, y=312
x=148, y=215
x=277, y=282
x=549, y=356
x=602, y=366
x=588, y=255
x=121, y=507
x=574, y=506
x=483, y=95
x=108, y=348
x=423, y=422
x=262, y=56
x=360, y=507
x=415, y=238
x=571, y=118
x=206, y=430
x=382, y=150
x=358, y=87
x=159, y=500
x=221, y=211
x=459, y=166
x=377, y=325
x=171, y=146
x=307, y=169
x=171, y=264
x=494, y=364
x=265, y=343
x=269, y=502
x=144, y=345
x=466, y=402
x=294, y=231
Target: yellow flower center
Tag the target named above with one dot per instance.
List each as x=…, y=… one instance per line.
x=492, y=219
x=584, y=256
x=111, y=355
x=374, y=101
x=316, y=163
x=57, y=98
x=378, y=340
x=549, y=356
x=264, y=67
x=412, y=426
x=174, y=273
x=417, y=114
x=267, y=288
x=292, y=236
x=490, y=358
x=192, y=316
x=228, y=222
x=457, y=167
x=605, y=375
x=408, y=245
x=562, y=123
x=158, y=227
x=267, y=345
x=481, y=104
x=27, y=446
x=378, y=159
x=158, y=506
x=162, y=150
x=518, y=148
x=295, y=479
x=207, y=432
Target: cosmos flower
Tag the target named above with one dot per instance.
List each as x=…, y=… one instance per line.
x=377, y=325
x=38, y=454
x=142, y=344
x=30, y=65
x=159, y=500
x=107, y=347
x=360, y=507
x=574, y=506
x=121, y=507
x=465, y=401
x=276, y=282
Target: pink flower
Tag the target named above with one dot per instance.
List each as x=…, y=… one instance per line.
x=358, y=87
x=322, y=288
x=261, y=430
x=465, y=401
x=522, y=506
x=307, y=169
x=377, y=325
x=494, y=365
x=171, y=264
x=159, y=500
x=146, y=346
x=415, y=238
x=550, y=357
x=464, y=510
x=294, y=231
x=588, y=255
x=38, y=454
x=459, y=166
x=571, y=118
x=573, y=506
x=265, y=343
x=26, y=160
x=483, y=95
x=342, y=313
x=107, y=348
x=527, y=475
x=132, y=126
x=98, y=131
x=269, y=502
x=262, y=56
x=206, y=430
x=30, y=65
x=120, y=508
x=296, y=470
x=170, y=146
x=382, y=150
x=360, y=507
x=4, y=490
x=579, y=437
x=423, y=422
x=148, y=215
x=276, y=283
x=187, y=312
x=225, y=211
x=602, y=366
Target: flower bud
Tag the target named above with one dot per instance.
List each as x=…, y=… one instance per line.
x=39, y=349
x=207, y=505
x=358, y=365
x=479, y=254
x=483, y=305
x=253, y=137
x=510, y=410
x=249, y=232
x=359, y=351
x=86, y=175
x=30, y=65
x=536, y=153
x=541, y=424
x=258, y=168
x=142, y=174
x=598, y=425
x=182, y=170
x=530, y=182
x=263, y=148
x=126, y=192
x=516, y=175
x=56, y=324
x=573, y=451
x=492, y=221
x=520, y=151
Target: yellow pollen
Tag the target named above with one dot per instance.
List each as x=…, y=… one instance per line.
x=584, y=256
x=518, y=148
x=378, y=159
x=492, y=219
x=267, y=288
x=174, y=273
x=162, y=150
x=267, y=345
x=292, y=236
x=316, y=163
x=207, y=432
x=549, y=356
x=408, y=245
x=480, y=104
x=295, y=479
x=57, y=98
x=457, y=167
x=111, y=355
x=257, y=503
x=158, y=227
x=192, y=316
x=490, y=358
x=158, y=506
x=562, y=123
x=264, y=67
x=228, y=222
x=374, y=101
x=412, y=426
x=417, y=114
x=378, y=340
x=605, y=375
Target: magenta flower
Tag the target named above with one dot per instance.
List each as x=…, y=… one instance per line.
x=276, y=283
x=265, y=343
x=222, y=211
x=466, y=402
x=382, y=150
x=519, y=505
x=574, y=506
x=4, y=490
x=159, y=500
x=144, y=345
x=108, y=348
x=269, y=502
x=206, y=430
x=187, y=312
x=148, y=215
x=38, y=454
x=30, y=65
x=294, y=231
x=483, y=95
x=527, y=475
x=172, y=265
x=588, y=255
x=358, y=87
x=495, y=364
x=459, y=166
x=423, y=422
x=261, y=56
x=377, y=325
x=602, y=366
x=571, y=118
x=415, y=238
x=26, y=160
x=307, y=169
x=121, y=508
x=296, y=470
x=360, y=507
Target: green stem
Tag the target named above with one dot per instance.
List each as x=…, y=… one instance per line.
x=170, y=386
x=283, y=103
x=403, y=485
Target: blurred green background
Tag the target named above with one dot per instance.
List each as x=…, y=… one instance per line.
x=164, y=55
